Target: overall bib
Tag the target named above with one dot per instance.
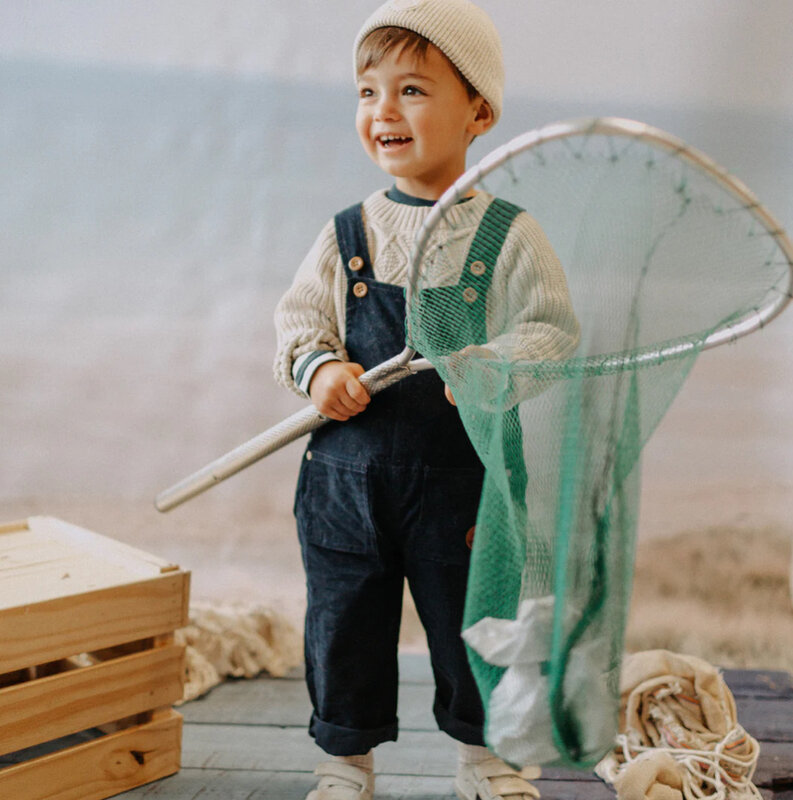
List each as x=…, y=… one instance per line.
x=386, y=496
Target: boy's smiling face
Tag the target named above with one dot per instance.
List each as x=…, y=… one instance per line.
x=416, y=120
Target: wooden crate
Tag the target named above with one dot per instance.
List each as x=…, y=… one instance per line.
x=88, y=666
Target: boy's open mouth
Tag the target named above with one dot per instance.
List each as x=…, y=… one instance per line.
x=390, y=142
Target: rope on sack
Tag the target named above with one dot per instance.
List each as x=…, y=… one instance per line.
x=679, y=735
x=704, y=773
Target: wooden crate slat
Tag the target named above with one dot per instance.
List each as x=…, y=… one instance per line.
x=48, y=708
x=35, y=568
x=100, y=768
x=138, y=563
x=50, y=558
x=90, y=621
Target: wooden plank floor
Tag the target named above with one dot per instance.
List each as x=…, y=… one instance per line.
x=247, y=740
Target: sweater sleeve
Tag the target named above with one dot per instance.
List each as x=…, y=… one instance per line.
x=308, y=318
x=530, y=315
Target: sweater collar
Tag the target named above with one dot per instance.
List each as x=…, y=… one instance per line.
x=409, y=219
x=398, y=196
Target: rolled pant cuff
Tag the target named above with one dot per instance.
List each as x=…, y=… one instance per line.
x=464, y=732
x=339, y=741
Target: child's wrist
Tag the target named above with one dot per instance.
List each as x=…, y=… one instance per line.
x=306, y=365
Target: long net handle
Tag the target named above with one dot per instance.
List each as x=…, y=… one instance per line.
x=286, y=431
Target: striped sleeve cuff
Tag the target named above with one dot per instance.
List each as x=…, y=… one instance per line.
x=306, y=365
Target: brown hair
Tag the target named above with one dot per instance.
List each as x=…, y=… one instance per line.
x=381, y=41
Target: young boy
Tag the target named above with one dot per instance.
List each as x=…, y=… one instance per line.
x=390, y=488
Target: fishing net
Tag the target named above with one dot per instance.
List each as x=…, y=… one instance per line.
x=662, y=254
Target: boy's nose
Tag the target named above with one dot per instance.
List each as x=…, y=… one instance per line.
x=387, y=109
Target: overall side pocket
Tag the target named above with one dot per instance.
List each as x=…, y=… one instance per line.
x=332, y=505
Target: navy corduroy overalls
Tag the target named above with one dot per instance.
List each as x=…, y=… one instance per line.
x=387, y=495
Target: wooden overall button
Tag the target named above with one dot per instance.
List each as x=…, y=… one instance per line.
x=470, y=295
x=478, y=267
x=360, y=289
x=355, y=263
x=469, y=537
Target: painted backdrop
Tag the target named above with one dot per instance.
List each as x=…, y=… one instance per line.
x=164, y=167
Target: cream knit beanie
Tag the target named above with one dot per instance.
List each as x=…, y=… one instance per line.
x=460, y=30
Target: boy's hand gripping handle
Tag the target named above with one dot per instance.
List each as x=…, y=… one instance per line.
x=293, y=427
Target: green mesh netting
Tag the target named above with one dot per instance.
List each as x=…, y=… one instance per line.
x=658, y=255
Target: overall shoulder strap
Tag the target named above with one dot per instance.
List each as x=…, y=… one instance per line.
x=466, y=301
x=351, y=238
x=488, y=242
x=481, y=260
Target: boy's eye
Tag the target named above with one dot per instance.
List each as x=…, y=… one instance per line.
x=412, y=90
x=364, y=92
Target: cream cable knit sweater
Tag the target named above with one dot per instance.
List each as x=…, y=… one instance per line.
x=529, y=315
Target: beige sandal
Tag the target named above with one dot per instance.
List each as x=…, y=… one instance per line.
x=340, y=781
x=493, y=779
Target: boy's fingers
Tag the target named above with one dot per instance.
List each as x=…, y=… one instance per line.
x=357, y=391
x=337, y=412
x=349, y=405
x=448, y=392
x=341, y=397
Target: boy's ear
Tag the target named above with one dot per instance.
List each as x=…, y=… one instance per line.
x=484, y=118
